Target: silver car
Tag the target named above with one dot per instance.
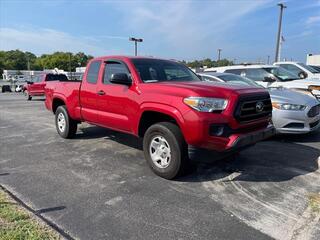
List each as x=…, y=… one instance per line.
x=293, y=112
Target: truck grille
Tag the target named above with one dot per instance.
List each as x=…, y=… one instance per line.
x=251, y=108
x=314, y=111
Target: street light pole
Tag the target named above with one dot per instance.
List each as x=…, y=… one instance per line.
x=219, y=54
x=135, y=40
x=277, y=56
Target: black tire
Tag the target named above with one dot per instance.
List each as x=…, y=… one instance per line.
x=70, y=127
x=27, y=95
x=178, y=149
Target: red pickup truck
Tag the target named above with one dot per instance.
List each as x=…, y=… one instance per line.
x=164, y=103
x=36, y=86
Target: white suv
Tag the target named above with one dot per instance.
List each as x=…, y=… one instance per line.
x=273, y=76
x=300, y=69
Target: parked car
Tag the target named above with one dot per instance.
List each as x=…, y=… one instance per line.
x=18, y=88
x=273, y=76
x=300, y=69
x=166, y=104
x=293, y=112
x=36, y=86
x=6, y=88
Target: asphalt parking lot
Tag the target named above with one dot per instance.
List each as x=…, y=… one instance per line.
x=98, y=186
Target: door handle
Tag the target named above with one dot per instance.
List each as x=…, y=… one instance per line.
x=101, y=92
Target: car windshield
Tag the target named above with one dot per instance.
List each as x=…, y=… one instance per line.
x=311, y=69
x=317, y=68
x=282, y=74
x=156, y=70
x=236, y=79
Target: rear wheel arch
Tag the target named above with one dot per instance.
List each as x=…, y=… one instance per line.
x=57, y=102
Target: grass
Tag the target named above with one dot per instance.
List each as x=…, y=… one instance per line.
x=18, y=224
x=314, y=202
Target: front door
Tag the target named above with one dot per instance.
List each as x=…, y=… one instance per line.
x=114, y=100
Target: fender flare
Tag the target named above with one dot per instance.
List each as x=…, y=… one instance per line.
x=161, y=108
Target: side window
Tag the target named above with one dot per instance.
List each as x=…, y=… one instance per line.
x=291, y=68
x=93, y=72
x=255, y=74
x=234, y=71
x=112, y=68
x=35, y=79
x=174, y=73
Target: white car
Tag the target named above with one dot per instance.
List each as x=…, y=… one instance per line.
x=300, y=69
x=273, y=76
x=293, y=112
x=19, y=88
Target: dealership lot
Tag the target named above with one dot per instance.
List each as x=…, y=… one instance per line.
x=98, y=186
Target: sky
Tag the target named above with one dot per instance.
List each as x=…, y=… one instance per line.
x=245, y=30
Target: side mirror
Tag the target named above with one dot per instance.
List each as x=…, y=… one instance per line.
x=29, y=82
x=303, y=75
x=269, y=79
x=121, y=78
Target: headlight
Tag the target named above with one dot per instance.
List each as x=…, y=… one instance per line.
x=288, y=106
x=203, y=104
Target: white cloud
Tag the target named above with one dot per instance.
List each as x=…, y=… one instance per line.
x=42, y=41
x=313, y=20
x=186, y=27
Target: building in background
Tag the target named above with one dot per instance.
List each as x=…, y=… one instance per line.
x=313, y=59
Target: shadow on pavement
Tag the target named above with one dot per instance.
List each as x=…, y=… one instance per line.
x=268, y=161
x=304, y=138
x=93, y=132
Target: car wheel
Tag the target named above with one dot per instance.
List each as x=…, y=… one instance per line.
x=165, y=150
x=66, y=126
x=27, y=95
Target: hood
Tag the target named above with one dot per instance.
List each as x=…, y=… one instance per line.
x=204, y=89
x=283, y=95
x=301, y=83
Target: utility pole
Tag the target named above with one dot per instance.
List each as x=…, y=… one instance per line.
x=136, y=40
x=277, y=56
x=70, y=65
x=219, y=54
x=28, y=62
x=268, y=62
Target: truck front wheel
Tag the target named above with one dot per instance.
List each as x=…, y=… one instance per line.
x=66, y=126
x=165, y=150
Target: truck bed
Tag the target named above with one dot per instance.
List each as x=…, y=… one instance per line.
x=64, y=90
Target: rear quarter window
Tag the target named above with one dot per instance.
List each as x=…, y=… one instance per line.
x=93, y=72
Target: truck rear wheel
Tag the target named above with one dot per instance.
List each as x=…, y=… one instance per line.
x=66, y=127
x=27, y=95
x=165, y=150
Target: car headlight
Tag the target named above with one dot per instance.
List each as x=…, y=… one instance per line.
x=288, y=106
x=203, y=104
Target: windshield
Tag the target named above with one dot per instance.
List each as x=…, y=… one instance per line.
x=317, y=68
x=55, y=77
x=282, y=73
x=236, y=79
x=311, y=69
x=156, y=70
